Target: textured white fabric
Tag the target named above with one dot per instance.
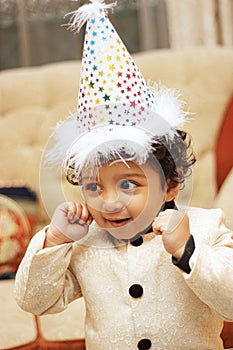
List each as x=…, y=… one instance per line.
x=176, y=311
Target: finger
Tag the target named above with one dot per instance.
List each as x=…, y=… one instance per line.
x=170, y=219
x=158, y=228
x=89, y=220
x=85, y=215
x=74, y=212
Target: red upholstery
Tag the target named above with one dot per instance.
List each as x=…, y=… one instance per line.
x=224, y=163
x=224, y=146
x=227, y=335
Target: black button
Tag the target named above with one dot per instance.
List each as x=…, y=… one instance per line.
x=144, y=344
x=136, y=291
x=137, y=242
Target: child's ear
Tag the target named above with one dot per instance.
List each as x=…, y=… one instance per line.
x=172, y=192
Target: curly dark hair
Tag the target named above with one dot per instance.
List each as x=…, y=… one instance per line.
x=175, y=157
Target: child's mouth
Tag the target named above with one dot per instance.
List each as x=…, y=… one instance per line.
x=118, y=222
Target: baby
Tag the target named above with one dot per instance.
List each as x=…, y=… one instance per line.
x=153, y=275
x=147, y=284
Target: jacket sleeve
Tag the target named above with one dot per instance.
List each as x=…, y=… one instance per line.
x=44, y=281
x=211, y=276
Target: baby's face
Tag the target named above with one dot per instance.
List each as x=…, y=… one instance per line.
x=123, y=198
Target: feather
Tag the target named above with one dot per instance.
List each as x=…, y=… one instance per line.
x=169, y=105
x=65, y=133
x=80, y=16
x=106, y=143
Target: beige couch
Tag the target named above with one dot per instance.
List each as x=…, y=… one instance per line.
x=33, y=99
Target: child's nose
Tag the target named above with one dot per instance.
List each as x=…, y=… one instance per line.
x=112, y=202
x=112, y=207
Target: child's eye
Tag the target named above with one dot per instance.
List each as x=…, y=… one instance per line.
x=93, y=187
x=127, y=185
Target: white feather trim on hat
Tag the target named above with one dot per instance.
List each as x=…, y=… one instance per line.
x=169, y=105
x=136, y=127
x=109, y=142
x=65, y=133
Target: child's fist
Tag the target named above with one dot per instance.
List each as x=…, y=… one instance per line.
x=173, y=225
x=70, y=222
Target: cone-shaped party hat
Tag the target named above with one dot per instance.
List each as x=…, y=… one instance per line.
x=117, y=114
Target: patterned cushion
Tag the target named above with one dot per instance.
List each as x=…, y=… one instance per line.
x=17, y=219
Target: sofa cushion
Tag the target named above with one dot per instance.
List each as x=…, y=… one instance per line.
x=204, y=180
x=17, y=327
x=21, y=330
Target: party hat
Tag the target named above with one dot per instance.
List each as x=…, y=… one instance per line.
x=117, y=112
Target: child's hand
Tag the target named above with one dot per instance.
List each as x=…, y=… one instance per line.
x=173, y=225
x=70, y=222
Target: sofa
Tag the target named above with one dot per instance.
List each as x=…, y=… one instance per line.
x=34, y=99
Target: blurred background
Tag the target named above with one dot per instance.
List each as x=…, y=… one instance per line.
x=32, y=32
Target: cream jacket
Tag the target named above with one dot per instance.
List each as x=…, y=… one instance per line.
x=176, y=311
